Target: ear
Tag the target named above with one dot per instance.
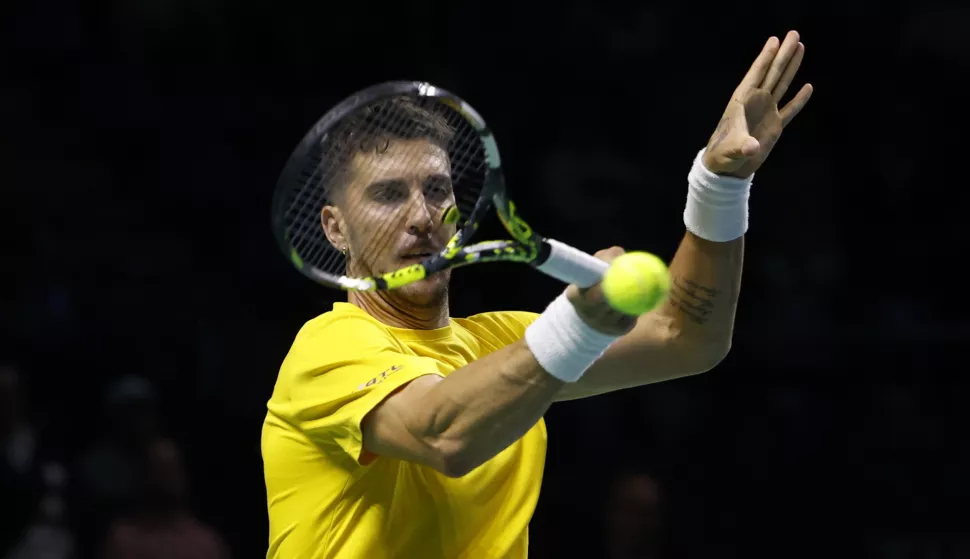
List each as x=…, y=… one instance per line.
x=334, y=227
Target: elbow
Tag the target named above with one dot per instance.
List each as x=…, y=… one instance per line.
x=453, y=458
x=699, y=354
x=709, y=355
x=456, y=466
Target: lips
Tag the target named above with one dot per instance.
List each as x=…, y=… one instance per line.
x=419, y=250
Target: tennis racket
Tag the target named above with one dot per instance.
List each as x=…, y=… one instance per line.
x=390, y=186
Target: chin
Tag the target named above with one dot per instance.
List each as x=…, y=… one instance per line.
x=429, y=292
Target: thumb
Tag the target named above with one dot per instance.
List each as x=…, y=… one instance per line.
x=732, y=141
x=739, y=145
x=744, y=145
x=750, y=147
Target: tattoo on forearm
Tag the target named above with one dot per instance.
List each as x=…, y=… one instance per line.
x=693, y=299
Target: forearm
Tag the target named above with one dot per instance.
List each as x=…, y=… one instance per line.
x=689, y=334
x=482, y=408
x=705, y=272
x=706, y=282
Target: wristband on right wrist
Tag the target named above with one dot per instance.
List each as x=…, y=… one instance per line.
x=562, y=343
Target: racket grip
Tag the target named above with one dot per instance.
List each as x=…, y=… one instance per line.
x=571, y=265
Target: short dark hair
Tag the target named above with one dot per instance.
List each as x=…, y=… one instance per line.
x=371, y=129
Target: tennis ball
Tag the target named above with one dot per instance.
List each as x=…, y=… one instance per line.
x=636, y=283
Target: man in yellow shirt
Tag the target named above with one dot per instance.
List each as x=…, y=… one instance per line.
x=395, y=430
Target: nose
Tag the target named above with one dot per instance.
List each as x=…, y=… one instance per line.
x=420, y=220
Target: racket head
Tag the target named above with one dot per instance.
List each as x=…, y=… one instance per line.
x=378, y=156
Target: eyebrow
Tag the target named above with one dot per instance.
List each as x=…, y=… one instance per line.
x=385, y=182
x=399, y=181
x=440, y=176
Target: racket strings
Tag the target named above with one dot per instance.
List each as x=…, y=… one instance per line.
x=371, y=130
x=311, y=247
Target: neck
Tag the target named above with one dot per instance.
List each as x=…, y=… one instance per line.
x=392, y=311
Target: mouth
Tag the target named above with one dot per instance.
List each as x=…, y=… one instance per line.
x=416, y=256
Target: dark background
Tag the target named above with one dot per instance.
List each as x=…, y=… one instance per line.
x=141, y=141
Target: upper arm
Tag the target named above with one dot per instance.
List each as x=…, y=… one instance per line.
x=394, y=428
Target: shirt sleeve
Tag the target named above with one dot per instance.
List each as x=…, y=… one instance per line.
x=337, y=374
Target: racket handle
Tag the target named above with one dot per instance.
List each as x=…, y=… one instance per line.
x=571, y=265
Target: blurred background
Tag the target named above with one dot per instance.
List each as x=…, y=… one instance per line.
x=145, y=304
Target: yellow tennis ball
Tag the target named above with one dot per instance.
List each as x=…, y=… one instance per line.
x=636, y=283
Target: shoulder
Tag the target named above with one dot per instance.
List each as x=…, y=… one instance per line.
x=335, y=338
x=342, y=329
x=508, y=326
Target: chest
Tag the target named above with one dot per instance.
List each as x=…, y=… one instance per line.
x=453, y=353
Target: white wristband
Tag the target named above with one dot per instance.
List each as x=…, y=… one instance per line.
x=562, y=343
x=717, y=206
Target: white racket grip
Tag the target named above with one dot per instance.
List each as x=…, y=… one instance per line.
x=571, y=265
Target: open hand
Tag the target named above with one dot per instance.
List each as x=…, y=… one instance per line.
x=752, y=122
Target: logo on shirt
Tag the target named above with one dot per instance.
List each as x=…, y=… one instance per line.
x=381, y=377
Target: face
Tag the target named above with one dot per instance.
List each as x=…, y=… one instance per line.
x=389, y=214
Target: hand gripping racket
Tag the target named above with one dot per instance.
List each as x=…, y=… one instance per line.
x=399, y=167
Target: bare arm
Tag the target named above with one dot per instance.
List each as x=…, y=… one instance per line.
x=692, y=332
x=689, y=334
x=456, y=423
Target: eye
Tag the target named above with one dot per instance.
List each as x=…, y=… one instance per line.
x=389, y=193
x=438, y=189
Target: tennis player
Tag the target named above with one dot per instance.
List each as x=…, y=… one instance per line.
x=395, y=430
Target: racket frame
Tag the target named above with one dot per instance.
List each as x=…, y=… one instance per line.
x=551, y=257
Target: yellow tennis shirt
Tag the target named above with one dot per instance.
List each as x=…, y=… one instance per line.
x=327, y=499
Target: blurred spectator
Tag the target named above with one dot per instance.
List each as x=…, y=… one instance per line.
x=162, y=526
x=19, y=483
x=49, y=537
x=634, y=520
x=108, y=470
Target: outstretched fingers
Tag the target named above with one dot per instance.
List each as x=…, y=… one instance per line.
x=788, y=76
x=795, y=106
x=759, y=69
x=781, y=62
